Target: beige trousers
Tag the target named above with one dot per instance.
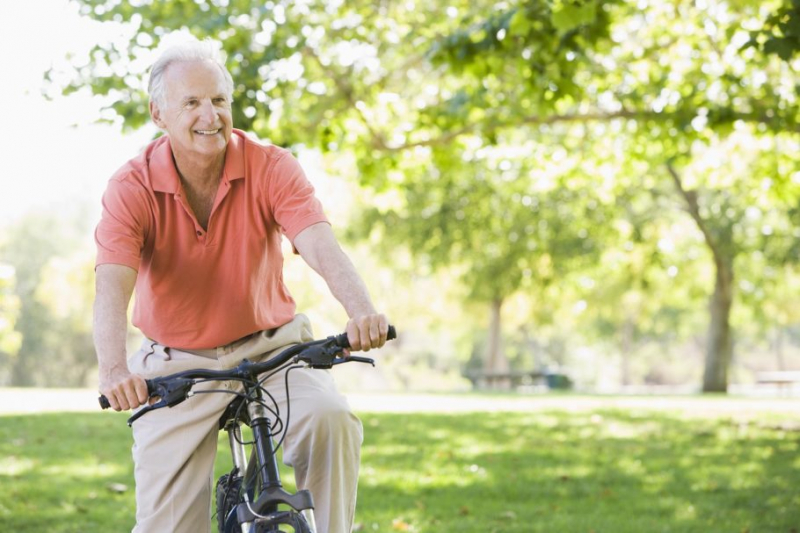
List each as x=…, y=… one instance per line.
x=174, y=448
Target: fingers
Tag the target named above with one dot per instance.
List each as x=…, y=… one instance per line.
x=128, y=393
x=129, y=396
x=141, y=390
x=367, y=332
x=382, y=330
x=353, y=335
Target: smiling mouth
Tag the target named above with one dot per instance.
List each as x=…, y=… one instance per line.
x=207, y=132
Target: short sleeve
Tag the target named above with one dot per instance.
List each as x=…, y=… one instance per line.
x=123, y=226
x=291, y=197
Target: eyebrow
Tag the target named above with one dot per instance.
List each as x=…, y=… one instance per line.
x=188, y=98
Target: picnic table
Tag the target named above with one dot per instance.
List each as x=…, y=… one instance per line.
x=783, y=379
x=482, y=379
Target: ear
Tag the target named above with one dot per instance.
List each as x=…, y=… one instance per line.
x=155, y=114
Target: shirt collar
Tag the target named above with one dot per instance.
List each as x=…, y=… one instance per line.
x=165, y=177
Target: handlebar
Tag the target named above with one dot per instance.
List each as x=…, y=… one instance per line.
x=174, y=388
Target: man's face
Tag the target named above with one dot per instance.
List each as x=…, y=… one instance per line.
x=197, y=110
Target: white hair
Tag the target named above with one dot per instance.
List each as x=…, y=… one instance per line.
x=191, y=49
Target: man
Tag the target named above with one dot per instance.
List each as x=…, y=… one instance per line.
x=194, y=224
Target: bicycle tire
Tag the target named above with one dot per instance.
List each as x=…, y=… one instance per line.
x=228, y=493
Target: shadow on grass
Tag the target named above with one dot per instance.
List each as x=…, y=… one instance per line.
x=65, y=472
x=606, y=470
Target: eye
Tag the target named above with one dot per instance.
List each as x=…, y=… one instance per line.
x=190, y=103
x=220, y=100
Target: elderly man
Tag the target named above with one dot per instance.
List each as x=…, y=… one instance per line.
x=194, y=224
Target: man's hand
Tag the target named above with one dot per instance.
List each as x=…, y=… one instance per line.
x=367, y=332
x=123, y=389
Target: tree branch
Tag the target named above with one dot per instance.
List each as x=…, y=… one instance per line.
x=598, y=116
x=690, y=197
x=347, y=91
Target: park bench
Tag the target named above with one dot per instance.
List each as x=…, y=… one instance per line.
x=513, y=380
x=784, y=380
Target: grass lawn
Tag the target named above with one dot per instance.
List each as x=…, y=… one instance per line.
x=597, y=470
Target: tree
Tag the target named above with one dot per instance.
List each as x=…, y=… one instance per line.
x=349, y=91
x=10, y=339
x=409, y=89
x=687, y=85
x=54, y=293
x=506, y=222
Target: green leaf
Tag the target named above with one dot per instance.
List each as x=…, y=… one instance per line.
x=519, y=25
x=570, y=14
x=783, y=47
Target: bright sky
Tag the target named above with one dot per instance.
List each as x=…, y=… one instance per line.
x=52, y=154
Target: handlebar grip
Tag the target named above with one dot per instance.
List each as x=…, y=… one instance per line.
x=343, y=342
x=104, y=403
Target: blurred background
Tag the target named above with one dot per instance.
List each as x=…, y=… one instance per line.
x=593, y=195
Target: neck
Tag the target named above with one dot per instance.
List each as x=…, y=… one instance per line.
x=199, y=172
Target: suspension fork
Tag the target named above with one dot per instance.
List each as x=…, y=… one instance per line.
x=271, y=489
x=234, y=431
x=238, y=453
x=263, y=446
x=263, y=450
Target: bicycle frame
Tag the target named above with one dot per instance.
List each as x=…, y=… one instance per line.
x=259, y=492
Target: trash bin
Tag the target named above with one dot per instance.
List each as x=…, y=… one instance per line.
x=556, y=381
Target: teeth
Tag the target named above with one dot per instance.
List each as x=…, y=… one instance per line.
x=207, y=132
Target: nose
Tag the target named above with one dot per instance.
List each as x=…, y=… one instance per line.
x=208, y=112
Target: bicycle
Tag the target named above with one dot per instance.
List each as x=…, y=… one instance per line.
x=251, y=498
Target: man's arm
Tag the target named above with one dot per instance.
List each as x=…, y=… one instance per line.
x=114, y=287
x=319, y=248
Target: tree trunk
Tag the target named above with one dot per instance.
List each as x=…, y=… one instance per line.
x=720, y=337
x=533, y=347
x=626, y=347
x=778, y=346
x=496, y=363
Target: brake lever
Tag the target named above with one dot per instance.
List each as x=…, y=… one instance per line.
x=144, y=410
x=353, y=359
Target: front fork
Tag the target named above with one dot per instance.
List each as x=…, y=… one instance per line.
x=239, y=455
x=308, y=514
x=265, y=457
x=237, y=446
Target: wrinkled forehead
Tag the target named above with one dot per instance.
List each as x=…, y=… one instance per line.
x=194, y=78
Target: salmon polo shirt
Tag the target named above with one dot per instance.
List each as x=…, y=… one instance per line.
x=198, y=289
